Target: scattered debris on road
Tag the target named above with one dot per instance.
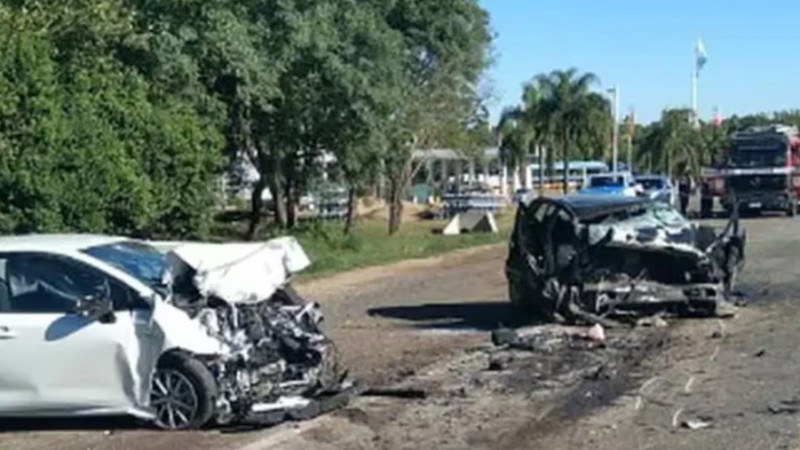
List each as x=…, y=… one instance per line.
x=584, y=259
x=652, y=321
x=596, y=333
x=788, y=406
x=696, y=424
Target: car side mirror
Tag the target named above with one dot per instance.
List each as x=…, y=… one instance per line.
x=97, y=306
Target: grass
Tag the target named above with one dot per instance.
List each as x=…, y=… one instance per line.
x=331, y=251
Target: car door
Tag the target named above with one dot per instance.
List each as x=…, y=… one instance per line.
x=56, y=361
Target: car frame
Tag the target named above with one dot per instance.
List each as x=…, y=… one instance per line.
x=586, y=258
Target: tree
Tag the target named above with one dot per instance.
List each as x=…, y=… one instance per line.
x=674, y=144
x=87, y=143
x=573, y=111
x=445, y=51
x=523, y=129
x=357, y=79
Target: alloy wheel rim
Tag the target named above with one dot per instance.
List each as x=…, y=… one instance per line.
x=174, y=398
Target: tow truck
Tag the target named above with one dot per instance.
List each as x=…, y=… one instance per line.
x=761, y=173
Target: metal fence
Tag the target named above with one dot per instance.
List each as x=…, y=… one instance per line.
x=455, y=203
x=331, y=204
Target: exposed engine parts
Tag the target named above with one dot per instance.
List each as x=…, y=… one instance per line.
x=275, y=351
x=276, y=356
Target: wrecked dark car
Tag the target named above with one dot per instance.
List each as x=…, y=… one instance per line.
x=585, y=259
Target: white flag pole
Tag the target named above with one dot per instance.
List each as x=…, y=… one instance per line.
x=695, y=72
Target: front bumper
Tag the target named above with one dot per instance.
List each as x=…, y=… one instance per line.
x=761, y=201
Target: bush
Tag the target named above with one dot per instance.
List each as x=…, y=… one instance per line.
x=86, y=146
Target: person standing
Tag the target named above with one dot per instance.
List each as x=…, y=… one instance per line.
x=684, y=192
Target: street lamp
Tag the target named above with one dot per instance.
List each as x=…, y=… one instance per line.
x=615, y=132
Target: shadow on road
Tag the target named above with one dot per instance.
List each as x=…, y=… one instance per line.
x=111, y=424
x=72, y=424
x=487, y=315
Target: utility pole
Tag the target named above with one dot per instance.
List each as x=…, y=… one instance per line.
x=695, y=115
x=631, y=128
x=615, y=131
x=503, y=166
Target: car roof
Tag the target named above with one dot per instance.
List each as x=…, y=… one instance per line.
x=610, y=174
x=590, y=206
x=55, y=243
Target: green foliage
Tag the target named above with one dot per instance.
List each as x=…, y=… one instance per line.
x=446, y=47
x=558, y=111
x=673, y=145
x=369, y=246
x=116, y=115
x=86, y=146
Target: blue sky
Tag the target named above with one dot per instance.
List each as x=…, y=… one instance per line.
x=646, y=46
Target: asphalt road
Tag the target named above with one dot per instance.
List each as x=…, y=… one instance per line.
x=426, y=323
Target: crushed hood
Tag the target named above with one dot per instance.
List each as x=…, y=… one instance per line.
x=275, y=357
x=239, y=273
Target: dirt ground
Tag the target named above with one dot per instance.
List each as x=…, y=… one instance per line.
x=425, y=325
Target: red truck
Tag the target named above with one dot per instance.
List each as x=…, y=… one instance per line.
x=761, y=173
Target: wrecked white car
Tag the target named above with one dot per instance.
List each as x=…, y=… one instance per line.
x=98, y=325
x=585, y=258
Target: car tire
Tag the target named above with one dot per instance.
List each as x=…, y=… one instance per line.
x=183, y=393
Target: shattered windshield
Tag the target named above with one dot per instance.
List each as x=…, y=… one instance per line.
x=141, y=261
x=758, y=158
x=655, y=215
x=758, y=152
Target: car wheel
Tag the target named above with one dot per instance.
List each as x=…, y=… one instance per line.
x=183, y=393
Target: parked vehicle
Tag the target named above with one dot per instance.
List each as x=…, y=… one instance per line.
x=657, y=187
x=621, y=183
x=761, y=172
x=99, y=325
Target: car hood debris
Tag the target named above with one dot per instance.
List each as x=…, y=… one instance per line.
x=590, y=258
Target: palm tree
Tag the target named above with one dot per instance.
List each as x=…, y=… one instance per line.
x=522, y=128
x=573, y=111
x=513, y=137
x=674, y=145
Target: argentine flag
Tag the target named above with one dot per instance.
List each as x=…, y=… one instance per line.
x=700, y=56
